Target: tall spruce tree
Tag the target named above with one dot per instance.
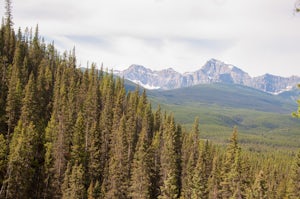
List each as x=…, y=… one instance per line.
x=293, y=189
x=14, y=100
x=190, y=153
x=58, y=137
x=118, y=165
x=142, y=164
x=231, y=169
x=170, y=173
x=20, y=181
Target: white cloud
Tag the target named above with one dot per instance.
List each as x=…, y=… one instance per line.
x=258, y=36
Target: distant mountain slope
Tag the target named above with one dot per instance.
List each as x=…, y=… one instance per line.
x=225, y=95
x=262, y=118
x=213, y=71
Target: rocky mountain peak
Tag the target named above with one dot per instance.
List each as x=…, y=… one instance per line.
x=212, y=71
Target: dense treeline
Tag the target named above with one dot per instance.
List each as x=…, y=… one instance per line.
x=68, y=133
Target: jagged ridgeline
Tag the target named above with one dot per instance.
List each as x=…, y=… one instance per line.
x=65, y=133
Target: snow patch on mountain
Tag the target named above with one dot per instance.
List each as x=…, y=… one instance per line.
x=146, y=86
x=211, y=72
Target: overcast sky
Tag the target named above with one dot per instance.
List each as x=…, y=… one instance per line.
x=258, y=36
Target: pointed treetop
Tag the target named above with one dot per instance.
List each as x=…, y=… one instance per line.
x=8, y=13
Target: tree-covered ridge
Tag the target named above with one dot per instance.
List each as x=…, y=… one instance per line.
x=65, y=133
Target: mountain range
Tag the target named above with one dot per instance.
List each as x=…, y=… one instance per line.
x=224, y=96
x=213, y=71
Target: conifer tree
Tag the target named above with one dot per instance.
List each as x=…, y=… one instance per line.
x=9, y=35
x=91, y=104
x=3, y=158
x=74, y=185
x=57, y=138
x=214, y=182
x=293, y=189
x=157, y=119
x=7, y=51
x=198, y=179
x=202, y=172
x=169, y=161
x=8, y=13
x=94, y=158
x=15, y=88
x=30, y=105
x=22, y=152
x=44, y=84
x=105, y=128
x=190, y=152
x=118, y=165
x=231, y=169
x=141, y=166
x=259, y=189
x=78, y=142
x=131, y=127
x=156, y=169
x=14, y=100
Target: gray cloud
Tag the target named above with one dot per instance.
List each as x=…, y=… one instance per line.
x=259, y=36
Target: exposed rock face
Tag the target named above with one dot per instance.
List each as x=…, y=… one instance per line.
x=213, y=71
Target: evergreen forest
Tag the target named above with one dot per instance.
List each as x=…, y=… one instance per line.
x=79, y=134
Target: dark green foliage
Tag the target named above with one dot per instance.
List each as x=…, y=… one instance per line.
x=68, y=133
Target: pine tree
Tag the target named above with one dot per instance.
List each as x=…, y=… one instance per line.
x=118, y=165
x=156, y=169
x=58, y=138
x=91, y=104
x=231, y=169
x=141, y=166
x=8, y=13
x=94, y=157
x=202, y=172
x=293, y=189
x=74, y=184
x=44, y=84
x=169, y=161
x=14, y=100
x=3, y=158
x=131, y=124
x=78, y=155
x=77, y=183
x=77, y=148
x=214, y=182
x=15, y=88
x=22, y=152
x=198, y=185
x=7, y=51
x=30, y=104
x=259, y=189
x=190, y=152
x=27, y=124
x=105, y=128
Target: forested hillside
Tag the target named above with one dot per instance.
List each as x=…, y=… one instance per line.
x=65, y=133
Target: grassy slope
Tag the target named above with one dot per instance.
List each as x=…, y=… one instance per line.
x=264, y=121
